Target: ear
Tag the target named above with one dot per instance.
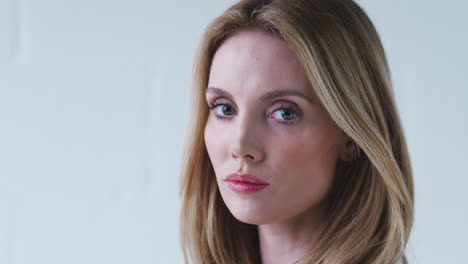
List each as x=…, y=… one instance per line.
x=348, y=149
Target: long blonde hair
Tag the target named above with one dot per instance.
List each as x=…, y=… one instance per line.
x=371, y=210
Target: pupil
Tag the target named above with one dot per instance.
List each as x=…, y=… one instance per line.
x=286, y=114
x=226, y=110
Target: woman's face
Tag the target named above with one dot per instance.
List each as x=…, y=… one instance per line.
x=267, y=122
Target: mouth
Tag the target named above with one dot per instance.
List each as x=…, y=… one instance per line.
x=245, y=183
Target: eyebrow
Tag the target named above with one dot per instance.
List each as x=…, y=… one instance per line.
x=267, y=96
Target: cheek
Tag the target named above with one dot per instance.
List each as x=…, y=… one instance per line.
x=210, y=139
x=215, y=143
x=316, y=155
x=309, y=159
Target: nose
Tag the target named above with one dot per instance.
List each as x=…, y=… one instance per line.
x=246, y=144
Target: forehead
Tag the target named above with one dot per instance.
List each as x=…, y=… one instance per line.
x=255, y=44
x=253, y=61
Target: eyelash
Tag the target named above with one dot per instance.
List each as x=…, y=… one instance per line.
x=213, y=104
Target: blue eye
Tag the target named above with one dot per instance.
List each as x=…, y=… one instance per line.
x=285, y=113
x=222, y=109
x=288, y=114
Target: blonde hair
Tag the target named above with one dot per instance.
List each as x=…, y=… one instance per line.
x=371, y=209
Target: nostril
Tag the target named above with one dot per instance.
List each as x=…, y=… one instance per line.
x=247, y=156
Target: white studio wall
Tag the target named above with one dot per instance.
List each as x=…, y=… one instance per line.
x=94, y=106
x=426, y=46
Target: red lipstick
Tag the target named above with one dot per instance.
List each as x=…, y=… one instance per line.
x=245, y=183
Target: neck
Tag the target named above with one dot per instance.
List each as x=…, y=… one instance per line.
x=290, y=240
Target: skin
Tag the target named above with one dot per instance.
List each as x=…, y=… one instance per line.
x=295, y=149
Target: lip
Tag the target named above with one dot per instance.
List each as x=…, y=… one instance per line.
x=245, y=183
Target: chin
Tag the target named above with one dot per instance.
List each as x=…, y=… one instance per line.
x=249, y=219
x=250, y=216
x=249, y=210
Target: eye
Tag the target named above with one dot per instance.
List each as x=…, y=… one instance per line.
x=221, y=109
x=286, y=113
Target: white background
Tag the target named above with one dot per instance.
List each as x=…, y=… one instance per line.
x=94, y=106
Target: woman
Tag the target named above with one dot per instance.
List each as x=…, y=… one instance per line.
x=296, y=153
